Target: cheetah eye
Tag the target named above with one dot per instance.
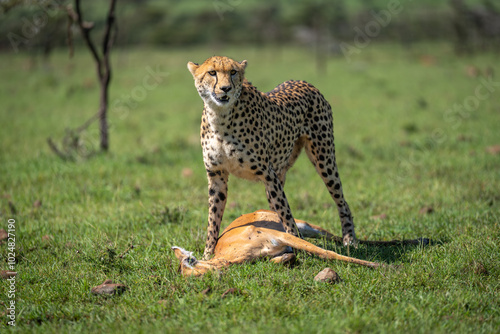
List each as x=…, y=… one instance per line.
x=233, y=72
x=212, y=73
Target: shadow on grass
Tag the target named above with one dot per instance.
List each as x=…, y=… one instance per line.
x=386, y=252
x=383, y=252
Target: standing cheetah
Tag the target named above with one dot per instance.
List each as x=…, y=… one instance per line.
x=258, y=136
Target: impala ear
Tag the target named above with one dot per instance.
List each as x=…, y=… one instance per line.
x=181, y=253
x=185, y=257
x=192, y=67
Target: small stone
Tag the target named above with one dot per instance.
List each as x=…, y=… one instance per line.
x=232, y=291
x=187, y=172
x=328, y=275
x=381, y=216
x=109, y=288
x=3, y=235
x=493, y=150
x=479, y=269
x=426, y=210
x=7, y=274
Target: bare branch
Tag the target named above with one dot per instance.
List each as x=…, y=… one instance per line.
x=85, y=125
x=69, y=32
x=72, y=140
x=85, y=28
x=56, y=150
x=108, y=41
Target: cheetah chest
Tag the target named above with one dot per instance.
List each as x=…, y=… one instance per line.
x=226, y=152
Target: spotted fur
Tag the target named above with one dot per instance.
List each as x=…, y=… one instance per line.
x=258, y=136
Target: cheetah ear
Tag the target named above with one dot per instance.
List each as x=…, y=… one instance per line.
x=243, y=64
x=192, y=67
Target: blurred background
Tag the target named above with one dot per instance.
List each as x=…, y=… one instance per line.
x=470, y=25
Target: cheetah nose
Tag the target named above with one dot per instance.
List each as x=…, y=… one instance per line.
x=226, y=89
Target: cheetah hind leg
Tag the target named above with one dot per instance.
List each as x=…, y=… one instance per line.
x=278, y=202
x=323, y=158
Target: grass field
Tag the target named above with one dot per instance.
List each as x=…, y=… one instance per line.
x=413, y=130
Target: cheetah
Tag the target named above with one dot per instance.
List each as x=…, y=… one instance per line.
x=258, y=136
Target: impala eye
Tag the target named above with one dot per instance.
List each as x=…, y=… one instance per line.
x=212, y=73
x=233, y=72
x=191, y=261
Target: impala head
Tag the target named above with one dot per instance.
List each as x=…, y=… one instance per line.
x=189, y=265
x=218, y=80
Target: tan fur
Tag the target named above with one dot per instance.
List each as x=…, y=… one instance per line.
x=257, y=235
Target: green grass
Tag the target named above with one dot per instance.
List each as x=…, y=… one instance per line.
x=388, y=107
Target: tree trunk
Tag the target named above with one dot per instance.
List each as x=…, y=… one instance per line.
x=103, y=110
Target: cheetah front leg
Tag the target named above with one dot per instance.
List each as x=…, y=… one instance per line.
x=278, y=202
x=217, y=197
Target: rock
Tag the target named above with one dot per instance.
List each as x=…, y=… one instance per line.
x=233, y=291
x=7, y=274
x=109, y=288
x=426, y=210
x=187, y=172
x=328, y=275
x=381, y=216
x=480, y=269
x=493, y=150
x=3, y=235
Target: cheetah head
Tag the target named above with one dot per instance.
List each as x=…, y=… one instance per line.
x=218, y=80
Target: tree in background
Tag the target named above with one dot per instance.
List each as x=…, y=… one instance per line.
x=71, y=141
